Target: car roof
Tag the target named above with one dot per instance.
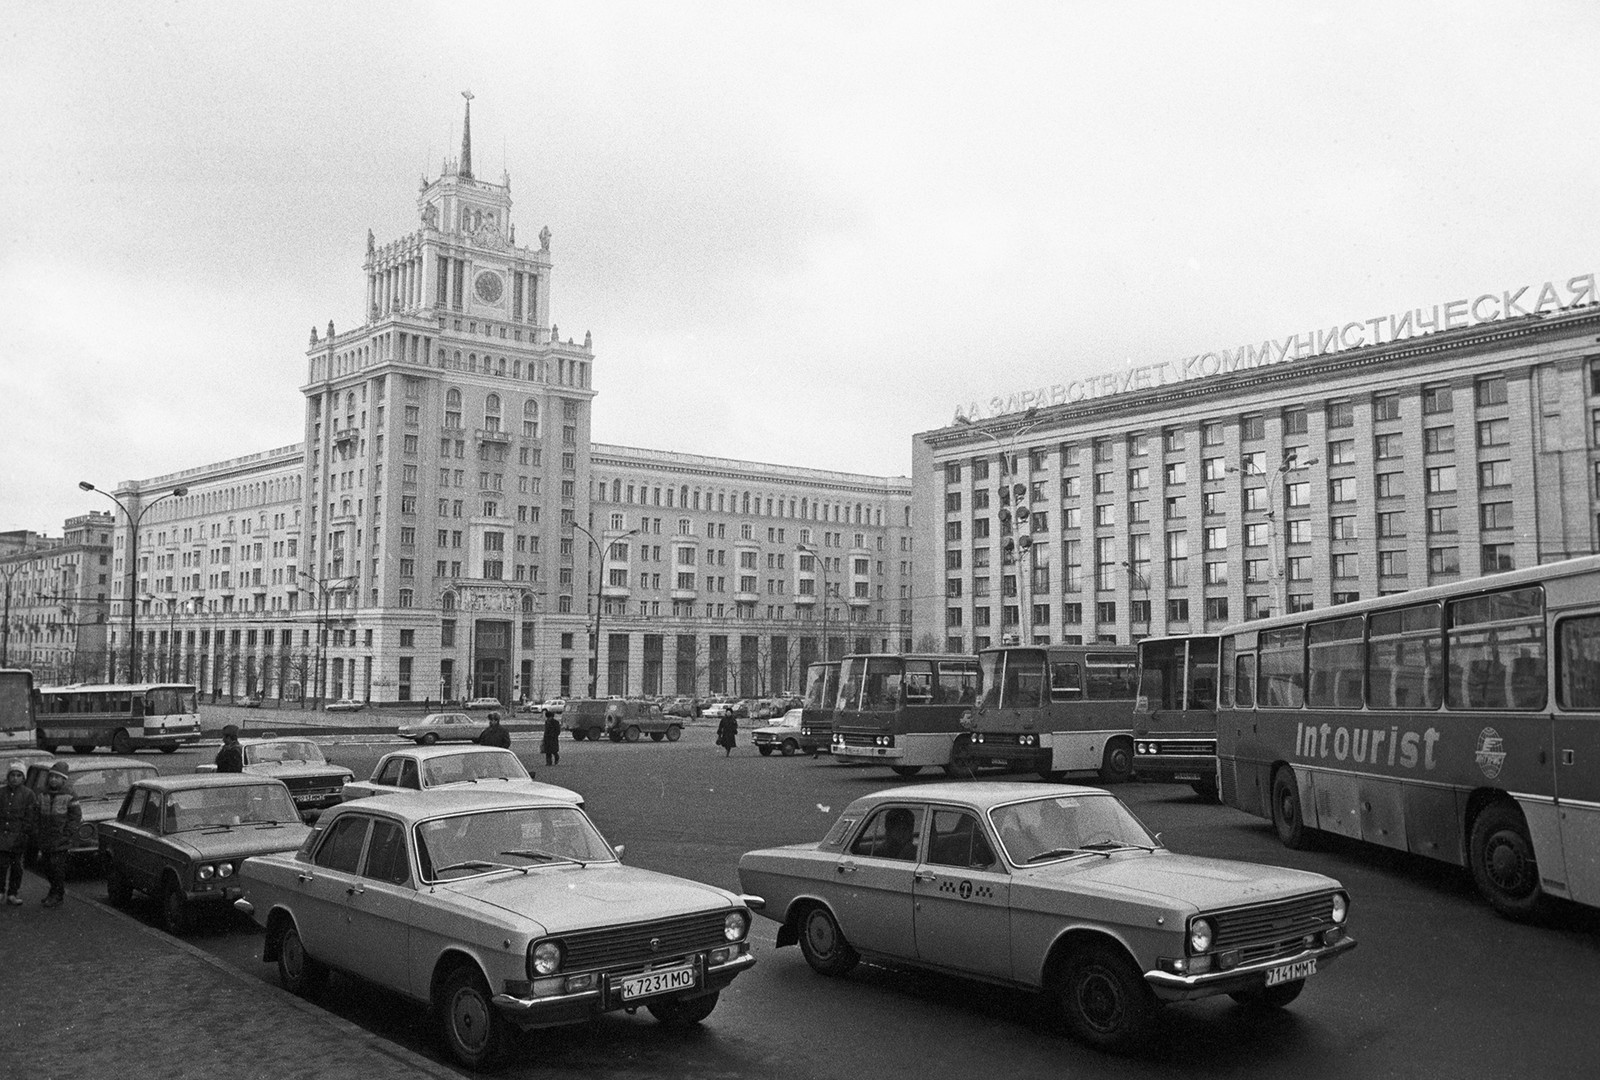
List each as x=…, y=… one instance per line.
x=186, y=781
x=426, y=753
x=90, y=762
x=982, y=794
x=437, y=715
x=257, y=741
x=415, y=806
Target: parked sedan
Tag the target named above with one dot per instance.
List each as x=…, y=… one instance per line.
x=345, y=705
x=182, y=838
x=442, y=727
x=300, y=764
x=517, y=912
x=784, y=736
x=483, y=703
x=100, y=784
x=426, y=768
x=1052, y=888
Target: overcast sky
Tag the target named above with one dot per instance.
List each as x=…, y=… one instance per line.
x=798, y=232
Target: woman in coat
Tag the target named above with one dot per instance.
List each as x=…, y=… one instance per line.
x=727, y=733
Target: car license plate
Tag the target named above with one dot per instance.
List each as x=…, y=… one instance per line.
x=1291, y=972
x=658, y=982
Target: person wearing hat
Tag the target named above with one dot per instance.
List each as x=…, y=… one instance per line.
x=550, y=744
x=494, y=734
x=16, y=820
x=231, y=757
x=56, y=817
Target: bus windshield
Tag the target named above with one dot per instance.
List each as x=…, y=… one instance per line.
x=1014, y=678
x=1179, y=673
x=169, y=701
x=822, y=685
x=870, y=683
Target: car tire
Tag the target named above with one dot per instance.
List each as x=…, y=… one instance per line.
x=428, y=740
x=790, y=748
x=823, y=944
x=1286, y=814
x=1270, y=997
x=1116, y=766
x=1502, y=859
x=119, y=890
x=120, y=743
x=657, y=736
x=905, y=770
x=678, y=1013
x=764, y=750
x=674, y=733
x=1103, y=999
x=177, y=918
x=298, y=972
x=962, y=762
x=474, y=1032
x=83, y=748
x=169, y=749
x=632, y=734
x=577, y=734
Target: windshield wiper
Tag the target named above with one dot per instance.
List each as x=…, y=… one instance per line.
x=1115, y=845
x=534, y=853
x=473, y=864
x=1056, y=853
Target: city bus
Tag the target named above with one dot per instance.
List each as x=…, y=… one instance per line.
x=17, y=703
x=1054, y=709
x=1459, y=722
x=902, y=711
x=1175, y=713
x=816, y=708
x=129, y=717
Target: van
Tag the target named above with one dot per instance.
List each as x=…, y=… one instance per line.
x=619, y=721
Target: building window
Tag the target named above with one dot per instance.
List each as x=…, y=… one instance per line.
x=1342, y=489
x=1216, y=573
x=1252, y=427
x=1294, y=421
x=1211, y=433
x=1441, y=478
x=1436, y=399
x=952, y=472
x=1496, y=515
x=1345, y=566
x=1391, y=563
x=1341, y=414
x=1256, y=534
x=1342, y=527
x=1178, y=610
x=1174, y=507
x=1442, y=519
x=1494, y=474
x=1497, y=558
x=1216, y=609
x=1439, y=440
x=1392, y=523
x=1491, y=390
x=1299, y=494
x=1216, y=538
x=1177, y=473
x=1494, y=432
x=1386, y=406
x=1138, y=478
x=1172, y=440
x=1342, y=452
x=1213, y=468
x=1138, y=444
x=1444, y=560
x=1388, y=447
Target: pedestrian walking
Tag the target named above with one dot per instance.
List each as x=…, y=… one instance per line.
x=550, y=745
x=727, y=733
x=231, y=757
x=16, y=829
x=494, y=734
x=56, y=817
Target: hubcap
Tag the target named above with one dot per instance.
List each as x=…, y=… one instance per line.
x=1099, y=1000
x=1507, y=864
x=820, y=933
x=469, y=1020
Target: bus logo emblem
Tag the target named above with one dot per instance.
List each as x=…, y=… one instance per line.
x=1491, y=755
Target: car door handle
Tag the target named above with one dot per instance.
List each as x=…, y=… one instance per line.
x=925, y=875
x=303, y=878
x=846, y=868
x=355, y=890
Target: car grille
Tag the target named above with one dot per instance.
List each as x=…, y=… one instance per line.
x=1189, y=747
x=312, y=785
x=1268, y=929
x=639, y=943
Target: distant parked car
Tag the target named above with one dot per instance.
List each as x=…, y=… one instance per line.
x=301, y=765
x=682, y=706
x=251, y=701
x=346, y=705
x=181, y=838
x=441, y=727
x=426, y=768
x=783, y=736
x=716, y=710
x=557, y=705
x=484, y=703
x=99, y=783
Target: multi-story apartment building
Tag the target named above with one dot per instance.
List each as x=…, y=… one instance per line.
x=1337, y=474
x=55, y=599
x=448, y=530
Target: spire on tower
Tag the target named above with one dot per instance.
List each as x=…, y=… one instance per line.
x=466, y=139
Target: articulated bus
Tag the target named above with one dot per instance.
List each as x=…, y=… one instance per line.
x=1460, y=722
x=17, y=704
x=126, y=718
x=816, y=708
x=1175, y=714
x=1054, y=709
x=902, y=711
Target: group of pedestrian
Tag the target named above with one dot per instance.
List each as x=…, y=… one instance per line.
x=46, y=821
x=550, y=745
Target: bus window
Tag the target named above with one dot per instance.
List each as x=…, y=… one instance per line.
x=1225, y=672
x=1109, y=678
x=1496, y=648
x=1578, y=660
x=1024, y=680
x=1405, y=658
x=958, y=683
x=1203, y=673
x=919, y=682
x=1066, y=681
x=1244, y=680
x=1334, y=661
x=852, y=673
x=1282, y=669
x=881, y=685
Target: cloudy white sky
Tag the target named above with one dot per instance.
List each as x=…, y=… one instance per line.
x=799, y=232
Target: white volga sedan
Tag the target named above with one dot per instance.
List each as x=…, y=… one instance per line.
x=427, y=768
x=1050, y=888
x=498, y=910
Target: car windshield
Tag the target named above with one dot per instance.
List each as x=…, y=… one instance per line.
x=108, y=783
x=519, y=837
x=220, y=807
x=285, y=751
x=1040, y=830
x=474, y=765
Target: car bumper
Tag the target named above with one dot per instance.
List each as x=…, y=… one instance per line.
x=1171, y=987
x=545, y=1010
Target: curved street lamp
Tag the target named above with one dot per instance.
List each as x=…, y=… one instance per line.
x=326, y=587
x=1289, y=464
x=132, y=589
x=823, y=564
x=599, y=595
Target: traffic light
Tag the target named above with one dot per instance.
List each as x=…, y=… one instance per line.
x=1022, y=511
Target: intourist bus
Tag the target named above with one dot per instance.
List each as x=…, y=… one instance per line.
x=902, y=711
x=126, y=718
x=1460, y=722
x=816, y=709
x=1055, y=709
x=16, y=709
x=1175, y=714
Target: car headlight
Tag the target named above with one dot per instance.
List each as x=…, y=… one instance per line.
x=206, y=872
x=546, y=958
x=1341, y=907
x=735, y=926
x=1199, y=936
x=225, y=870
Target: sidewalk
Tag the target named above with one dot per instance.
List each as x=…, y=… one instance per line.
x=91, y=993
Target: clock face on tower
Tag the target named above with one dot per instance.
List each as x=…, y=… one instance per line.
x=488, y=287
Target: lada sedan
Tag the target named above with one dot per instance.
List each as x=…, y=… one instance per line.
x=182, y=838
x=344, y=705
x=497, y=909
x=100, y=784
x=442, y=727
x=301, y=765
x=785, y=736
x=1052, y=888
x=426, y=768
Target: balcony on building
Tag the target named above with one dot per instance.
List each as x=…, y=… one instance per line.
x=344, y=436
x=615, y=592
x=685, y=594
x=493, y=435
x=804, y=598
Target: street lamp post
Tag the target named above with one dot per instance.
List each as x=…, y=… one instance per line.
x=1289, y=464
x=1008, y=450
x=599, y=595
x=169, y=660
x=823, y=563
x=326, y=588
x=1135, y=578
x=131, y=590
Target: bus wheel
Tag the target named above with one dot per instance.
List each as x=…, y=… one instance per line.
x=905, y=770
x=169, y=749
x=1117, y=765
x=83, y=748
x=674, y=733
x=1503, y=864
x=1286, y=816
x=120, y=743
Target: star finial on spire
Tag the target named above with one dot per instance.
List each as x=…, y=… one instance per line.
x=466, y=139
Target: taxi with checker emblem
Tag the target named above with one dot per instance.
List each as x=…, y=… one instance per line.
x=1053, y=888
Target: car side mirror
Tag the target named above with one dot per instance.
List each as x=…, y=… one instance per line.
x=619, y=849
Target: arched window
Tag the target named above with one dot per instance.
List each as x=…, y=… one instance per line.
x=447, y=602
x=527, y=604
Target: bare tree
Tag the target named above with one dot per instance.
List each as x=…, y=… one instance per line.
x=301, y=668
x=928, y=642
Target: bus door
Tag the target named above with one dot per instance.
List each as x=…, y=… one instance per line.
x=1576, y=745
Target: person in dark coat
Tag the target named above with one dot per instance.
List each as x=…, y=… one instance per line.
x=231, y=757
x=16, y=829
x=727, y=733
x=550, y=745
x=494, y=734
x=56, y=817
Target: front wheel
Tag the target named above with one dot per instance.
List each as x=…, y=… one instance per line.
x=428, y=740
x=1116, y=766
x=790, y=748
x=176, y=917
x=657, y=736
x=1270, y=997
x=823, y=944
x=905, y=770
x=677, y=1013
x=120, y=743
x=674, y=733
x=473, y=1029
x=632, y=734
x=1103, y=1000
x=764, y=750
x=1503, y=864
x=1286, y=815
x=297, y=971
